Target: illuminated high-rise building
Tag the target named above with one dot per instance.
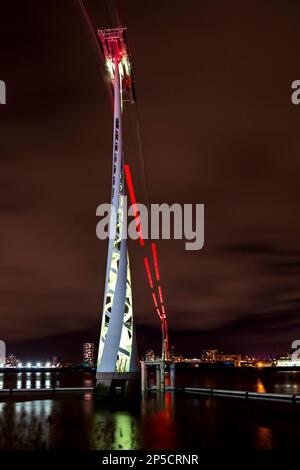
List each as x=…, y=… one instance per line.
x=117, y=357
x=88, y=354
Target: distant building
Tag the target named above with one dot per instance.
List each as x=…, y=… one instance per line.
x=287, y=362
x=178, y=359
x=234, y=358
x=88, y=354
x=150, y=356
x=55, y=360
x=261, y=364
x=209, y=355
x=11, y=360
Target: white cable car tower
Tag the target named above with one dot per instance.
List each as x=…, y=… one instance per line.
x=117, y=356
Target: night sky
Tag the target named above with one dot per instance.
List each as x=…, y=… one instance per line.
x=218, y=127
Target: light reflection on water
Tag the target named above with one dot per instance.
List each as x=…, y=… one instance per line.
x=47, y=383
x=119, y=430
x=260, y=388
x=258, y=381
x=264, y=438
x=29, y=380
x=157, y=421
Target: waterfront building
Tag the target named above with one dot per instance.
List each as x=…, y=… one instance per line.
x=235, y=359
x=287, y=362
x=209, y=355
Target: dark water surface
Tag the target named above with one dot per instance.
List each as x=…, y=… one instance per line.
x=254, y=380
x=159, y=421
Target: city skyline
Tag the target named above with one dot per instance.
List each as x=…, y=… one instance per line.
x=148, y=338
x=79, y=354
x=88, y=358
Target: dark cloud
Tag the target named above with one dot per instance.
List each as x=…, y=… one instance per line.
x=218, y=127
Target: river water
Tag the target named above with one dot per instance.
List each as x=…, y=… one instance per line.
x=158, y=421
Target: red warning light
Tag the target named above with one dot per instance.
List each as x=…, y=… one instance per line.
x=148, y=272
x=160, y=294
x=154, y=253
x=154, y=299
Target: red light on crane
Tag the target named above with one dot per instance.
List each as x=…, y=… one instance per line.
x=160, y=294
x=146, y=262
x=158, y=313
x=154, y=299
x=154, y=253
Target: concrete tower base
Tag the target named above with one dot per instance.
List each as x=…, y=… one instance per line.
x=112, y=384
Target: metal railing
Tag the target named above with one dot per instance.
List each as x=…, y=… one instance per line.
x=244, y=394
x=49, y=390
